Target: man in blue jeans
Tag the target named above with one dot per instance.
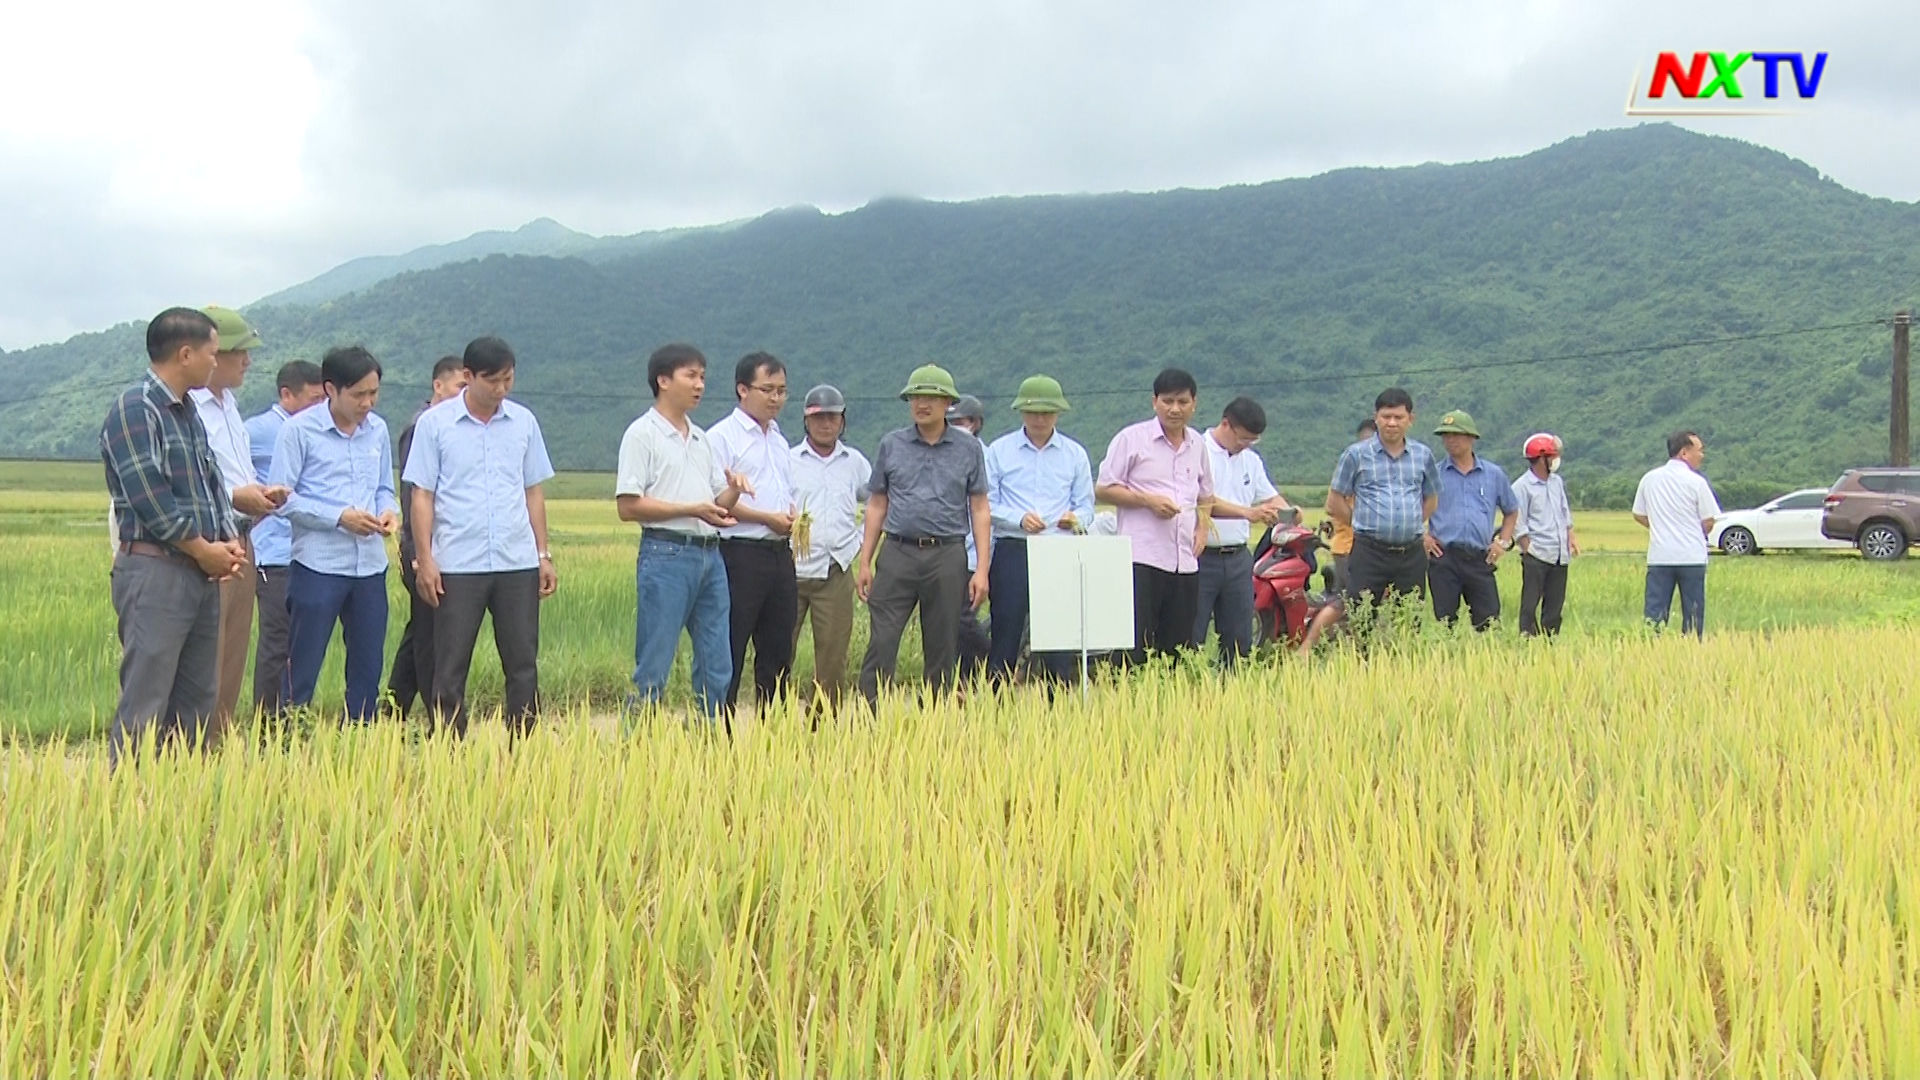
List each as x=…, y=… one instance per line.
x=671, y=484
x=338, y=463
x=1676, y=506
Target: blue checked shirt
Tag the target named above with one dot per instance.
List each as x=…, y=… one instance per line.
x=329, y=473
x=160, y=469
x=272, y=535
x=1468, y=501
x=1049, y=481
x=1387, y=491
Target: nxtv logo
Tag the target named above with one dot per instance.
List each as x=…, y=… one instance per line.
x=1701, y=89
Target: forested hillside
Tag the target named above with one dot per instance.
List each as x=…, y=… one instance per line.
x=1461, y=282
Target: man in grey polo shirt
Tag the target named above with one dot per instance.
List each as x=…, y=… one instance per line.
x=929, y=493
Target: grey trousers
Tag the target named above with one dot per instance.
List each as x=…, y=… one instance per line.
x=1226, y=601
x=169, y=624
x=512, y=597
x=934, y=579
x=270, y=652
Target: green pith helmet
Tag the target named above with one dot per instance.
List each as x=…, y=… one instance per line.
x=235, y=334
x=1040, y=393
x=1457, y=422
x=930, y=380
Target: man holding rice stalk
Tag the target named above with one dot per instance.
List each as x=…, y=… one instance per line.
x=176, y=539
x=829, y=484
x=929, y=492
x=1040, y=483
x=338, y=464
x=1157, y=474
x=671, y=484
x=763, y=594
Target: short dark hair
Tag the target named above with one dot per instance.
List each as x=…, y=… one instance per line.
x=1173, y=380
x=297, y=375
x=1393, y=398
x=1245, y=414
x=1367, y=427
x=487, y=356
x=175, y=327
x=668, y=359
x=1679, y=441
x=344, y=366
x=750, y=366
x=446, y=366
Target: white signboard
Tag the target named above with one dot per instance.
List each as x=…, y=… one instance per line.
x=1081, y=591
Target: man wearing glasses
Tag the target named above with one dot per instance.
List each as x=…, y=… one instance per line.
x=757, y=552
x=1242, y=494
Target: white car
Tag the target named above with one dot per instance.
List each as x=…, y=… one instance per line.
x=1790, y=521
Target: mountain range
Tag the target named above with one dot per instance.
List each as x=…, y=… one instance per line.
x=1529, y=291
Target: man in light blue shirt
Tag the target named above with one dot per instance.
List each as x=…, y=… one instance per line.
x=1039, y=482
x=479, y=522
x=300, y=389
x=338, y=462
x=1462, y=549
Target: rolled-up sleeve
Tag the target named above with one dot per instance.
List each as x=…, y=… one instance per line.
x=132, y=446
x=422, y=466
x=1522, y=498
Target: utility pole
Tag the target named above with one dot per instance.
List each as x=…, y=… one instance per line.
x=1901, y=448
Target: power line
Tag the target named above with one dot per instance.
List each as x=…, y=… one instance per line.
x=1265, y=384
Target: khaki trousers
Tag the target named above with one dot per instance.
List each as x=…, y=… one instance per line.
x=236, y=633
x=830, y=601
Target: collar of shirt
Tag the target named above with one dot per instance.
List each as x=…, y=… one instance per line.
x=840, y=450
x=759, y=454
x=508, y=411
x=1449, y=463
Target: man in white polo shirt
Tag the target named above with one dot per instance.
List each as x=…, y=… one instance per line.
x=670, y=483
x=1242, y=493
x=1677, y=507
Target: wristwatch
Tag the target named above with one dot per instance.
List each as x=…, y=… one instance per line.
x=546, y=556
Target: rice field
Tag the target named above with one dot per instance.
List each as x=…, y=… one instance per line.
x=1618, y=853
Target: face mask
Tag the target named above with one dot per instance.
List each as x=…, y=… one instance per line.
x=1553, y=464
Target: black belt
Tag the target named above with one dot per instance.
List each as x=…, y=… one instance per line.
x=926, y=541
x=1468, y=549
x=1382, y=545
x=755, y=541
x=1223, y=549
x=155, y=551
x=674, y=536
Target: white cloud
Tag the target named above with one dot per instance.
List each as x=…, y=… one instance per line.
x=372, y=126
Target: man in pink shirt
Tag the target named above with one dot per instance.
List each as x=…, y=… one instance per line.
x=1156, y=475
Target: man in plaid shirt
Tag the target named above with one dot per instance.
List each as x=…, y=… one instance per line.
x=177, y=538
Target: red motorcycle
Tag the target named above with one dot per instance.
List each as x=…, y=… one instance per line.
x=1283, y=566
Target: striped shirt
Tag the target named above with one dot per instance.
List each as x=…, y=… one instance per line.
x=161, y=473
x=1387, y=491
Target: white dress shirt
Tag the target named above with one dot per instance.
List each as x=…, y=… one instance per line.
x=227, y=435
x=763, y=457
x=832, y=489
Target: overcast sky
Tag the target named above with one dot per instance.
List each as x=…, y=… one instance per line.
x=217, y=150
